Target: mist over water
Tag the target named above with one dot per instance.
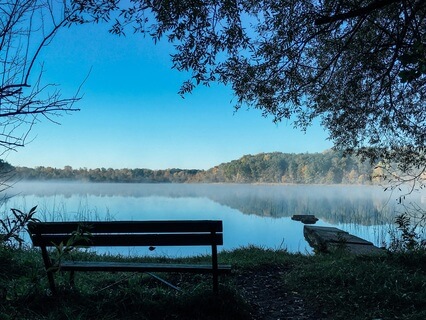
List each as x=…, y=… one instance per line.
x=252, y=214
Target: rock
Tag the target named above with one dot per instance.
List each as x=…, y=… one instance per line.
x=305, y=218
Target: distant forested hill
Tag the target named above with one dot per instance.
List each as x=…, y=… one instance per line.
x=328, y=167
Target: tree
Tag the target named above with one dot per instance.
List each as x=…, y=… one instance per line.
x=26, y=27
x=357, y=65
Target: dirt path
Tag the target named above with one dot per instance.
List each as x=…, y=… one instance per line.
x=270, y=300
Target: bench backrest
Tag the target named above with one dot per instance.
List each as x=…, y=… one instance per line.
x=129, y=233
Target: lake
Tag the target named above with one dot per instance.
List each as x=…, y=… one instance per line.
x=252, y=214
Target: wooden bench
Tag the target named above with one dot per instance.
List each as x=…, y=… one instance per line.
x=128, y=234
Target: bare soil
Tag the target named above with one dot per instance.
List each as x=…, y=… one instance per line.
x=270, y=299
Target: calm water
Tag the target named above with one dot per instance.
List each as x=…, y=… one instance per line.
x=252, y=214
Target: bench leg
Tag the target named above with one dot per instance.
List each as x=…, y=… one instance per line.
x=215, y=283
x=72, y=283
x=49, y=269
x=51, y=281
x=215, y=269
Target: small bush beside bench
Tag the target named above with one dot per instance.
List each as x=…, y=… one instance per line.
x=128, y=234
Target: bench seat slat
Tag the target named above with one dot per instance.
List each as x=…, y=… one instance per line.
x=127, y=226
x=139, y=267
x=109, y=240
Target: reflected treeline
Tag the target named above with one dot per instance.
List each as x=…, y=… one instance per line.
x=363, y=205
x=333, y=204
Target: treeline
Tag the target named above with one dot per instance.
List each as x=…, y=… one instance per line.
x=328, y=167
x=106, y=175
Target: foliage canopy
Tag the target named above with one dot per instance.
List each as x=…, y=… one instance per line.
x=359, y=66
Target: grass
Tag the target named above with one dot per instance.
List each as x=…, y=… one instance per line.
x=350, y=287
x=335, y=286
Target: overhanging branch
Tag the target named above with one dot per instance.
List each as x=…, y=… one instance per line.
x=375, y=5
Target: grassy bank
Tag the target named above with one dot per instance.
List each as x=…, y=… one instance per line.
x=332, y=286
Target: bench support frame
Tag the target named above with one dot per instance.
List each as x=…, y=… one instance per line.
x=129, y=233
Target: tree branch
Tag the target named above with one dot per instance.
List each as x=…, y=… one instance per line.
x=47, y=38
x=375, y=5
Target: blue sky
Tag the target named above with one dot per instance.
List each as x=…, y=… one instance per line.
x=132, y=117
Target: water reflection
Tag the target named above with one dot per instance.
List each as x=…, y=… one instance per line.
x=252, y=214
x=366, y=205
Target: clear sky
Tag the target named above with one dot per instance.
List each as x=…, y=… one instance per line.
x=132, y=117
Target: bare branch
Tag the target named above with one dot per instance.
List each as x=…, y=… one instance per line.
x=26, y=27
